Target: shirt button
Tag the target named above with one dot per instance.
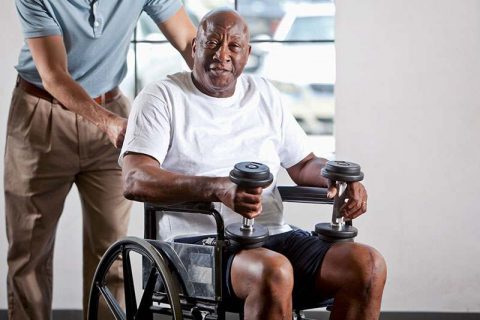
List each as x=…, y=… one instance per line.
x=96, y=24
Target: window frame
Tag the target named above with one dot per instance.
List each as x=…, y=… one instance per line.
x=135, y=41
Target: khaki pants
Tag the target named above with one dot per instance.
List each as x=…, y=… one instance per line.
x=48, y=149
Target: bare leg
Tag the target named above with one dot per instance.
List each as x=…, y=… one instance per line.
x=355, y=275
x=264, y=279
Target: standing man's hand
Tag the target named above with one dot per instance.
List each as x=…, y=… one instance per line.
x=115, y=128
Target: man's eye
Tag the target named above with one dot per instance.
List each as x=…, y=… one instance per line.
x=211, y=43
x=235, y=47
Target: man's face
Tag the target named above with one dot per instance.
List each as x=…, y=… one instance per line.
x=220, y=53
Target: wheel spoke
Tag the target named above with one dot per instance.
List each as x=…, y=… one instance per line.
x=112, y=303
x=130, y=299
x=144, y=307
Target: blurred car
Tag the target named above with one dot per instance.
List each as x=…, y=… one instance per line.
x=262, y=16
x=304, y=72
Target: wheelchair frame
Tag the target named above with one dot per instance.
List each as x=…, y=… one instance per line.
x=162, y=263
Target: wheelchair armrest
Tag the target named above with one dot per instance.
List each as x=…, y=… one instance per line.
x=184, y=207
x=304, y=194
x=190, y=206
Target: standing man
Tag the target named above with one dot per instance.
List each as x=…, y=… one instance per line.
x=66, y=121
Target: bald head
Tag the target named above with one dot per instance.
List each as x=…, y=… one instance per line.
x=220, y=52
x=224, y=17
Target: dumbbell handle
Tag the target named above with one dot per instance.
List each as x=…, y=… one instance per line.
x=338, y=202
x=247, y=224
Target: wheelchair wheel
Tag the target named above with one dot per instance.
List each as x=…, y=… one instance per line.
x=143, y=307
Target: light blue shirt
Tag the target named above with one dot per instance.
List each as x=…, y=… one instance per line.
x=96, y=36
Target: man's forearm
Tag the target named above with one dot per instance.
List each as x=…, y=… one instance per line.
x=151, y=184
x=75, y=98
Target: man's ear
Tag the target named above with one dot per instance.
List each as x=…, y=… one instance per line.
x=194, y=45
x=249, y=49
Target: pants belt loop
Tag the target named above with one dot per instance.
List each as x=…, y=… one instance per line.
x=103, y=99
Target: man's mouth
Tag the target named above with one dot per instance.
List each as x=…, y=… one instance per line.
x=220, y=70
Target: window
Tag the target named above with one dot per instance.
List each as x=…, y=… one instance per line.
x=307, y=28
x=292, y=45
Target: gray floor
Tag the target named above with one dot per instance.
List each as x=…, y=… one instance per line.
x=77, y=315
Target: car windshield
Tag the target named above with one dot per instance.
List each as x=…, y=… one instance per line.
x=312, y=28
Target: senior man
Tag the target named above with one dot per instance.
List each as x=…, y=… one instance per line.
x=186, y=133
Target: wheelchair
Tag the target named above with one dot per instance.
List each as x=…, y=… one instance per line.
x=179, y=280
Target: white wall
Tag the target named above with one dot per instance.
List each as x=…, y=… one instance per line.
x=407, y=112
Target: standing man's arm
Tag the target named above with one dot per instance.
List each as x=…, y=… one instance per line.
x=50, y=58
x=180, y=31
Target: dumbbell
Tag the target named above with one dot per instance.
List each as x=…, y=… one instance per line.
x=338, y=229
x=247, y=234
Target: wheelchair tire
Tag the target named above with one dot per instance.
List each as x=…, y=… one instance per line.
x=144, y=310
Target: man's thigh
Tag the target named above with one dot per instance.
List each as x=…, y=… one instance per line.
x=39, y=162
x=304, y=252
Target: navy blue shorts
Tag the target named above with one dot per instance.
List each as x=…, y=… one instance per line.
x=304, y=251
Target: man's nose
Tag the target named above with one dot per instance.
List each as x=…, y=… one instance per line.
x=223, y=53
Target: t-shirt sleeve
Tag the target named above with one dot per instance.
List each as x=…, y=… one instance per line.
x=36, y=20
x=161, y=10
x=149, y=127
x=293, y=146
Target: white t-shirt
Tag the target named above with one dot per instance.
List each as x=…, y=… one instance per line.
x=191, y=133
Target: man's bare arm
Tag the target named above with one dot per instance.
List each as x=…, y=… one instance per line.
x=308, y=173
x=50, y=59
x=145, y=181
x=180, y=31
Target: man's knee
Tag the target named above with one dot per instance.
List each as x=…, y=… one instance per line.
x=367, y=269
x=263, y=272
x=277, y=274
x=354, y=268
